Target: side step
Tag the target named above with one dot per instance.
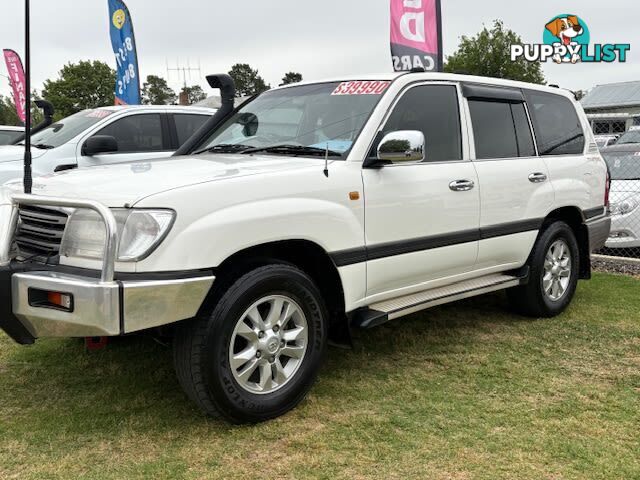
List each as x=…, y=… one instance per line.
x=381, y=312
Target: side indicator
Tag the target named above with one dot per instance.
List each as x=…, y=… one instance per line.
x=354, y=196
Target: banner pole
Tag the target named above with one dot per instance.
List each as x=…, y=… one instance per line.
x=28, y=181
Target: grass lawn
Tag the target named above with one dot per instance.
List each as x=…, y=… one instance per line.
x=458, y=392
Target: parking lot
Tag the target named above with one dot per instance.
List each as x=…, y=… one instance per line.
x=462, y=391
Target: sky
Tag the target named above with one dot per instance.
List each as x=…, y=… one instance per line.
x=320, y=39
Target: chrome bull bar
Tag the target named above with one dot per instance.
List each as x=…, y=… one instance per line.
x=9, y=209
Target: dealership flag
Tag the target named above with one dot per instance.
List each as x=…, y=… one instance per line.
x=16, y=76
x=416, y=34
x=124, y=48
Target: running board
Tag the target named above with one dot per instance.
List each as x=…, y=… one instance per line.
x=381, y=312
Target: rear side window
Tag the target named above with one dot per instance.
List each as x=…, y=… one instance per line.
x=433, y=110
x=556, y=123
x=500, y=129
x=187, y=125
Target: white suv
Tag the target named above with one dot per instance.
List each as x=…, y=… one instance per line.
x=312, y=209
x=105, y=135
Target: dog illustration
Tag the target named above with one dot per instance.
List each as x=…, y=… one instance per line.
x=566, y=29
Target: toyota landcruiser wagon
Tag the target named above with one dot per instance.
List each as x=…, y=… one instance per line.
x=311, y=210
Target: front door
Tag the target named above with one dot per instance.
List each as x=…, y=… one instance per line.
x=422, y=219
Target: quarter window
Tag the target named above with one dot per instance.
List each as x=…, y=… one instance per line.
x=187, y=125
x=136, y=133
x=556, y=123
x=433, y=110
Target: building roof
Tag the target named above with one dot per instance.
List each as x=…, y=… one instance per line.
x=625, y=94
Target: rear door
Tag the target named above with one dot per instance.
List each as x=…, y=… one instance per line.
x=515, y=190
x=140, y=136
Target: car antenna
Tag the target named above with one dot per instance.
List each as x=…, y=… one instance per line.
x=326, y=161
x=27, y=180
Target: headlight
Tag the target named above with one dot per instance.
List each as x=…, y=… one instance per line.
x=625, y=206
x=140, y=231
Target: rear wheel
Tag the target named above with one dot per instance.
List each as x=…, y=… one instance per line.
x=259, y=351
x=554, y=267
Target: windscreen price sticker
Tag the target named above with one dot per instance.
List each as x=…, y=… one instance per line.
x=361, y=88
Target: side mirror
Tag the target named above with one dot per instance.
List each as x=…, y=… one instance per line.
x=402, y=146
x=99, y=144
x=250, y=123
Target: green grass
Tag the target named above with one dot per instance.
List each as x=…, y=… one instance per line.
x=458, y=392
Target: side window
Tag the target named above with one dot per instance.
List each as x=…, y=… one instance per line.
x=433, y=110
x=500, y=129
x=187, y=125
x=557, y=126
x=136, y=133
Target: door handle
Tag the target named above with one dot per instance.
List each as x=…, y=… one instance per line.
x=537, y=177
x=461, y=185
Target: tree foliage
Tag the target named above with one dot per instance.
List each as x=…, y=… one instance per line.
x=488, y=54
x=195, y=94
x=156, y=91
x=247, y=80
x=9, y=115
x=291, y=77
x=81, y=85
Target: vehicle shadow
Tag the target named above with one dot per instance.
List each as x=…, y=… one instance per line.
x=132, y=380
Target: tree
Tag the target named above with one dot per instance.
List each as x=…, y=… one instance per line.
x=291, y=77
x=81, y=85
x=9, y=115
x=194, y=94
x=247, y=80
x=489, y=54
x=156, y=91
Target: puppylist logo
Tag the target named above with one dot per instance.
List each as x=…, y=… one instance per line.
x=566, y=39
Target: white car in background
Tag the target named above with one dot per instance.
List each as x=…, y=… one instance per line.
x=624, y=167
x=605, y=140
x=9, y=134
x=103, y=136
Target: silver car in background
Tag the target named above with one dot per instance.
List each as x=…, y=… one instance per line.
x=624, y=197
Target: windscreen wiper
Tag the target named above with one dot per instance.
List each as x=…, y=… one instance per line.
x=225, y=148
x=44, y=146
x=294, y=150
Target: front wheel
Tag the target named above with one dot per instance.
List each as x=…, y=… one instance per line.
x=554, y=267
x=259, y=351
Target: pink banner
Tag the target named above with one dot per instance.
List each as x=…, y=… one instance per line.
x=416, y=35
x=16, y=75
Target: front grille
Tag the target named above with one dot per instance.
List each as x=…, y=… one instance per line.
x=39, y=232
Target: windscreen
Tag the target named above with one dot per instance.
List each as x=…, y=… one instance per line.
x=629, y=137
x=61, y=132
x=623, y=165
x=323, y=116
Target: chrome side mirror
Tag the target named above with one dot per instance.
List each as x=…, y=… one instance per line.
x=402, y=146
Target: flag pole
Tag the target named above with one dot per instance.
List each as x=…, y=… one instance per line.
x=28, y=181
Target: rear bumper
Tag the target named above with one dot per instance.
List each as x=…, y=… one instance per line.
x=598, y=232
x=98, y=308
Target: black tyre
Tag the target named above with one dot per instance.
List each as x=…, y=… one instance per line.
x=554, y=267
x=259, y=351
